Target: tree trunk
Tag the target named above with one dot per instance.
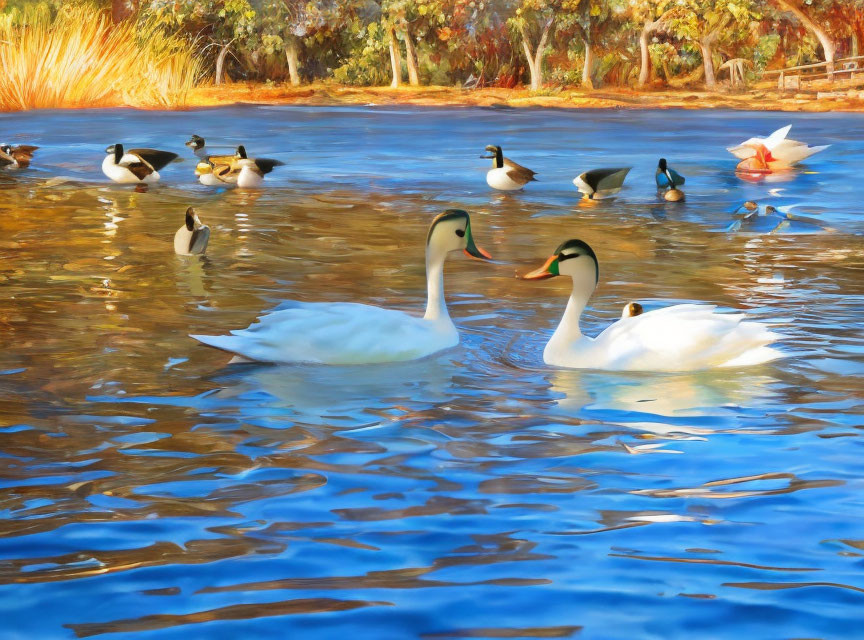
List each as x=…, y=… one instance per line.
x=706, y=45
x=828, y=47
x=293, y=57
x=411, y=58
x=220, y=61
x=707, y=48
x=535, y=61
x=587, y=67
x=395, y=59
x=647, y=30
x=645, y=65
x=535, y=80
x=588, y=59
x=123, y=9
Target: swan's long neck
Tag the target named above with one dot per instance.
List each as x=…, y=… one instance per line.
x=436, y=306
x=568, y=329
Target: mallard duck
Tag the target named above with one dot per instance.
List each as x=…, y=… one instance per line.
x=666, y=176
x=213, y=174
x=601, y=183
x=16, y=157
x=251, y=171
x=351, y=333
x=786, y=153
x=135, y=165
x=192, y=237
x=683, y=337
x=506, y=175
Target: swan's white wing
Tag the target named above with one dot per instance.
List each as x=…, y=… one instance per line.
x=685, y=337
x=777, y=137
x=335, y=333
x=747, y=148
x=791, y=152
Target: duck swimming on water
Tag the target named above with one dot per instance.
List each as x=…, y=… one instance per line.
x=597, y=184
x=192, y=237
x=668, y=180
x=343, y=333
x=251, y=171
x=506, y=175
x=785, y=152
x=16, y=157
x=135, y=165
x=683, y=337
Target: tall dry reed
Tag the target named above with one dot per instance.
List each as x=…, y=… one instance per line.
x=78, y=58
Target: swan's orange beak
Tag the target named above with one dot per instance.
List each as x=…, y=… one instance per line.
x=548, y=270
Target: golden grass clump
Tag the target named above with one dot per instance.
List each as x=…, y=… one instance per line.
x=78, y=58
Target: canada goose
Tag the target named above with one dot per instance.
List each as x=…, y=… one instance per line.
x=506, y=175
x=601, y=183
x=135, y=165
x=252, y=170
x=192, y=237
x=16, y=157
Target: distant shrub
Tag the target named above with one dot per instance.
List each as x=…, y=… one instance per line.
x=75, y=57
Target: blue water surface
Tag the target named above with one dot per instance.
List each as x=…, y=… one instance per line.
x=150, y=490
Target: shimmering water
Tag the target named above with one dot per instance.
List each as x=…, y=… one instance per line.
x=150, y=491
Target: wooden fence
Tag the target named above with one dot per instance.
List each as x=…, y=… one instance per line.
x=792, y=77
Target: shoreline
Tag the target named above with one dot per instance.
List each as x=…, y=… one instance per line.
x=325, y=94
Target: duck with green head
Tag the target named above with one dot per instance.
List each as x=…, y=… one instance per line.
x=682, y=337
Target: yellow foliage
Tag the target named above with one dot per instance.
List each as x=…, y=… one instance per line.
x=80, y=59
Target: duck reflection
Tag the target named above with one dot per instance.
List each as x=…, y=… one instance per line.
x=699, y=394
x=353, y=393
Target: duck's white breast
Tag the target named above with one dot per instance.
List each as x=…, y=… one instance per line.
x=498, y=179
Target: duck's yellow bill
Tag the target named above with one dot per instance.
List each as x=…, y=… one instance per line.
x=543, y=272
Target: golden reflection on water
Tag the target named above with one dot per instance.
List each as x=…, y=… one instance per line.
x=96, y=319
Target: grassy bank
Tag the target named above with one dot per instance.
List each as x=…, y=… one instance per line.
x=762, y=99
x=77, y=58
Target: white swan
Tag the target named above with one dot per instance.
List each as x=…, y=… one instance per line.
x=784, y=152
x=683, y=337
x=351, y=333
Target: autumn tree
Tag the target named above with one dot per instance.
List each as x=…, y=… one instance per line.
x=533, y=20
x=706, y=22
x=807, y=14
x=653, y=16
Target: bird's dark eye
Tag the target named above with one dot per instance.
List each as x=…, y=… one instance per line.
x=460, y=232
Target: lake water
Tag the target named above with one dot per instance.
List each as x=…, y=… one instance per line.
x=148, y=490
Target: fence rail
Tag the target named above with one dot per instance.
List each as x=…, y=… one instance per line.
x=791, y=77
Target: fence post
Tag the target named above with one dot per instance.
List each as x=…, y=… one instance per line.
x=782, y=82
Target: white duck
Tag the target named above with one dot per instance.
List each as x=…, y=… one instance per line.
x=192, y=237
x=683, y=337
x=344, y=333
x=135, y=165
x=784, y=152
